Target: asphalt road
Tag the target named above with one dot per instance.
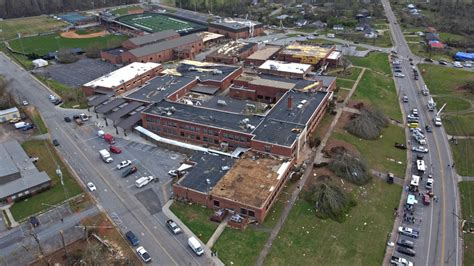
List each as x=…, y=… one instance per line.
x=113, y=197
x=439, y=242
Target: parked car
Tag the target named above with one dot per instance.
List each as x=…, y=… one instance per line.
x=176, y=173
x=399, y=75
x=91, y=187
x=406, y=243
x=429, y=184
x=132, y=238
x=405, y=99
x=115, y=149
x=442, y=62
x=27, y=127
x=124, y=164
x=407, y=251
x=426, y=199
x=420, y=149
x=24, y=103
x=428, y=128
x=174, y=228
x=67, y=119
x=437, y=121
x=55, y=142
x=129, y=171
x=428, y=60
x=57, y=101
x=407, y=231
x=143, y=254
x=397, y=70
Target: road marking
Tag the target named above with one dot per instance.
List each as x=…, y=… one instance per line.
x=118, y=195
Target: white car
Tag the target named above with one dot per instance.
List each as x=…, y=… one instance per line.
x=467, y=65
x=124, y=164
x=91, y=187
x=399, y=75
x=141, y=251
x=24, y=103
x=437, y=121
x=420, y=149
x=429, y=183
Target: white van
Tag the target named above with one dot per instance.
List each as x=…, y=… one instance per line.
x=195, y=246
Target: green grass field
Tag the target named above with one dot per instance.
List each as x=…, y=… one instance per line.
x=41, y=45
x=375, y=61
x=48, y=161
x=351, y=73
x=196, y=218
x=466, y=190
x=344, y=83
x=360, y=240
x=378, y=90
x=158, y=22
x=464, y=156
x=380, y=153
x=124, y=10
x=27, y=26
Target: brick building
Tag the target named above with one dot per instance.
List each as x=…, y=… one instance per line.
x=151, y=38
x=284, y=69
x=248, y=186
x=234, y=28
x=185, y=47
x=305, y=54
x=232, y=52
x=259, y=57
x=123, y=79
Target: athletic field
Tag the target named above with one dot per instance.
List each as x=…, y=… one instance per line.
x=160, y=22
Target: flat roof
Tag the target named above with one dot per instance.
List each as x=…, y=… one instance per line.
x=282, y=125
x=327, y=80
x=159, y=88
x=272, y=83
x=30, y=176
x=205, y=89
x=205, y=71
x=7, y=165
x=8, y=111
x=229, y=104
x=205, y=116
x=130, y=121
x=252, y=180
x=234, y=23
x=282, y=66
x=265, y=53
x=334, y=55
x=306, y=50
x=122, y=75
x=299, y=84
x=206, y=172
x=130, y=107
x=209, y=36
x=232, y=49
x=165, y=45
x=153, y=37
x=109, y=106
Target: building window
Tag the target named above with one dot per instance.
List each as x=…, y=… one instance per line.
x=217, y=203
x=243, y=211
x=251, y=213
x=268, y=148
x=182, y=134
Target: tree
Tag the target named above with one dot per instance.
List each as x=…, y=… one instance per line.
x=368, y=124
x=93, y=51
x=65, y=56
x=350, y=168
x=331, y=201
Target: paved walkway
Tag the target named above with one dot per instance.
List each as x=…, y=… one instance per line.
x=294, y=195
x=217, y=233
x=460, y=137
x=465, y=178
x=168, y=213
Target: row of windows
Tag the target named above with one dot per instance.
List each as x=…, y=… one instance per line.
x=190, y=128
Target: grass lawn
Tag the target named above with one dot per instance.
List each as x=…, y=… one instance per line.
x=196, y=218
x=124, y=10
x=381, y=41
x=464, y=156
x=236, y=247
x=375, y=61
x=453, y=104
x=380, y=152
x=459, y=125
x=48, y=161
x=41, y=45
x=27, y=26
x=420, y=50
x=73, y=98
x=307, y=240
x=378, y=90
x=467, y=206
x=307, y=29
x=35, y=116
x=441, y=80
x=344, y=83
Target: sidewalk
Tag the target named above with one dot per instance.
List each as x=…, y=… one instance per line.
x=168, y=213
x=217, y=233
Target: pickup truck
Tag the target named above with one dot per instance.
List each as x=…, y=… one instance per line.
x=407, y=231
x=400, y=261
x=142, y=181
x=174, y=228
x=78, y=121
x=129, y=171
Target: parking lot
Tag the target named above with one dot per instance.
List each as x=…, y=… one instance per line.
x=78, y=73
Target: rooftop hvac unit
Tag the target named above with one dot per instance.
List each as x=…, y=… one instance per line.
x=216, y=71
x=245, y=121
x=208, y=181
x=251, y=127
x=304, y=101
x=221, y=103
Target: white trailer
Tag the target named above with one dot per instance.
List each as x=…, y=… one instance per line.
x=431, y=104
x=420, y=165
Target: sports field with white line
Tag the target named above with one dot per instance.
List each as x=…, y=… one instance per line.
x=159, y=22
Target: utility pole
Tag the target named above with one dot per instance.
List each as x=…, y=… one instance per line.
x=64, y=243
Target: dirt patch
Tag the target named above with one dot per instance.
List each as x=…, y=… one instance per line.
x=74, y=35
x=343, y=120
x=337, y=143
x=9, y=132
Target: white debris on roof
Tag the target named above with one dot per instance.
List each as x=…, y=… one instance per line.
x=334, y=55
x=285, y=67
x=122, y=75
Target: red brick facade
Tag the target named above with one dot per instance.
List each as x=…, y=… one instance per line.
x=235, y=35
x=188, y=51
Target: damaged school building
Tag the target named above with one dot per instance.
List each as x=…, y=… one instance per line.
x=247, y=127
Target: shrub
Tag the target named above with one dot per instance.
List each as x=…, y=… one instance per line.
x=350, y=168
x=330, y=201
x=368, y=124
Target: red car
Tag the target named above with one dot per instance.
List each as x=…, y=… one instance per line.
x=115, y=149
x=426, y=199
